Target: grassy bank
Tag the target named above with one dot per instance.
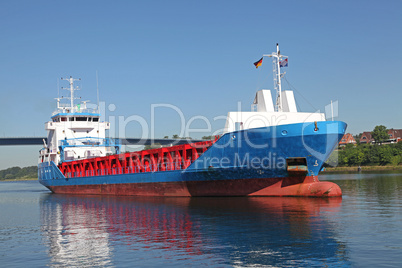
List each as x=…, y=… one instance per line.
x=363, y=169
x=19, y=174
x=22, y=179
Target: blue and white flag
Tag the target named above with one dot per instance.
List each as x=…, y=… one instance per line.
x=284, y=63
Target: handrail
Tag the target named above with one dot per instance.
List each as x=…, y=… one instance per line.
x=63, y=109
x=130, y=170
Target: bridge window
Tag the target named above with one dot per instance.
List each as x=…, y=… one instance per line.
x=71, y=119
x=96, y=119
x=63, y=119
x=81, y=119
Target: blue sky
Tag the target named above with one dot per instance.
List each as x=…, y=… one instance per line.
x=198, y=56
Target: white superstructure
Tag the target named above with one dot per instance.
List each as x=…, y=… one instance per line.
x=75, y=132
x=265, y=114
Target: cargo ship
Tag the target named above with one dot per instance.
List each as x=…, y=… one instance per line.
x=272, y=150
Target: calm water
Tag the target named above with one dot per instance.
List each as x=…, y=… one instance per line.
x=363, y=229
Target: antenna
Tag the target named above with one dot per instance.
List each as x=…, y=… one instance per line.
x=97, y=88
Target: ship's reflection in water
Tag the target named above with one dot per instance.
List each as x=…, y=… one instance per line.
x=118, y=231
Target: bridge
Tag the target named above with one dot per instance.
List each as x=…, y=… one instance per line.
x=124, y=141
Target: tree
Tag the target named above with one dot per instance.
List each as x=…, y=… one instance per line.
x=373, y=155
x=357, y=157
x=333, y=159
x=357, y=138
x=380, y=134
x=367, y=155
x=385, y=154
x=175, y=136
x=166, y=137
x=152, y=146
x=396, y=160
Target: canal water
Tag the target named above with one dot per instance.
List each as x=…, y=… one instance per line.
x=361, y=229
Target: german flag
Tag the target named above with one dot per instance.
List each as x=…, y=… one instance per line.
x=258, y=63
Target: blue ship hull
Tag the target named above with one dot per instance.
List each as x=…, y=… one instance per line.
x=247, y=162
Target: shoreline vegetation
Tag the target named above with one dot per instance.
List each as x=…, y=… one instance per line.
x=354, y=169
x=367, y=155
x=377, y=157
x=19, y=174
x=21, y=179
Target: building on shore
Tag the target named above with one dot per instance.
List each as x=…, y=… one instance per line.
x=347, y=139
x=395, y=135
x=366, y=138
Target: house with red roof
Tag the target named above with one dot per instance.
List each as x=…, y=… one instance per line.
x=395, y=135
x=347, y=139
x=366, y=138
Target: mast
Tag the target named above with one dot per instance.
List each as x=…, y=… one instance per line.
x=71, y=89
x=278, y=80
x=276, y=60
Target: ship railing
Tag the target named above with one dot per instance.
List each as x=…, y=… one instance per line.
x=130, y=170
x=90, y=141
x=65, y=108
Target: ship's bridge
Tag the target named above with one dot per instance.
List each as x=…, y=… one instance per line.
x=79, y=117
x=74, y=131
